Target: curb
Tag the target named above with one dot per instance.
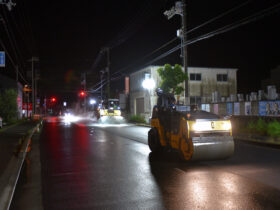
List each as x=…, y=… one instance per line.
x=11, y=174
x=260, y=140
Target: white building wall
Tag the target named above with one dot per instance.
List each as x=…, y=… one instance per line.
x=209, y=83
x=203, y=88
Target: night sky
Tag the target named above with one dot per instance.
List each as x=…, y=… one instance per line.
x=68, y=35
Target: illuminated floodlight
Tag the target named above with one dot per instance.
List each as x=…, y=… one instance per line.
x=148, y=84
x=92, y=101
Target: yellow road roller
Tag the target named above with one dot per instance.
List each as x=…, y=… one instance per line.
x=110, y=108
x=196, y=134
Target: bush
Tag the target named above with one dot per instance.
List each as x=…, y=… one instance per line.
x=259, y=127
x=137, y=119
x=8, y=105
x=273, y=129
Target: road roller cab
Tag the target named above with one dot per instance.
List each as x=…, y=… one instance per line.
x=196, y=135
x=110, y=107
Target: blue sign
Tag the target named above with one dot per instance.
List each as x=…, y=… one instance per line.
x=269, y=108
x=2, y=59
x=229, y=108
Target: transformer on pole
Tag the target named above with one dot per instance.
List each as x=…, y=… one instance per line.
x=180, y=9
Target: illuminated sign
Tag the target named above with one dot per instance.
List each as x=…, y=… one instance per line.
x=2, y=59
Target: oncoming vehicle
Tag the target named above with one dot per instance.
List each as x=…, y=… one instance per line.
x=196, y=135
x=110, y=108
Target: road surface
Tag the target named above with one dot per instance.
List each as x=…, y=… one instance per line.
x=91, y=166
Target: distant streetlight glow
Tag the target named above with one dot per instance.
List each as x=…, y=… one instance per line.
x=64, y=103
x=92, y=101
x=148, y=84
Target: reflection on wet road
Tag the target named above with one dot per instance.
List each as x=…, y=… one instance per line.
x=85, y=166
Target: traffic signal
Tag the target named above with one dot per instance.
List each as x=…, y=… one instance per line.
x=82, y=93
x=53, y=99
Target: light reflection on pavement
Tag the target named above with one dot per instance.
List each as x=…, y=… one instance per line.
x=91, y=167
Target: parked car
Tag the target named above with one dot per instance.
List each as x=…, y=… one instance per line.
x=1, y=122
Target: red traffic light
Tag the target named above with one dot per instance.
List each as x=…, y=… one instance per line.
x=82, y=93
x=53, y=99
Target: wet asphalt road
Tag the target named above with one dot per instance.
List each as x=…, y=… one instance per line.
x=89, y=166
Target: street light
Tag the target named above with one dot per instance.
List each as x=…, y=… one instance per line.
x=92, y=101
x=149, y=84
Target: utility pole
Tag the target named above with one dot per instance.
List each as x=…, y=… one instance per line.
x=180, y=9
x=32, y=60
x=102, y=72
x=185, y=55
x=17, y=73
x=108, y=72
x=85, y=98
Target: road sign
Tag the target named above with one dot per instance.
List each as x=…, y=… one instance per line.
x=26, y=106
x=2, y=59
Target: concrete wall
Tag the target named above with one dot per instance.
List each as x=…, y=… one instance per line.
x=209, y=83
x=244, y=108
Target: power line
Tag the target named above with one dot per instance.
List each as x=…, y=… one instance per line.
x=142, y=16
x=23, y=34
x=218, y=17
x=197, y=27
x=12, y=40
x=229, y=27
x=11, y=59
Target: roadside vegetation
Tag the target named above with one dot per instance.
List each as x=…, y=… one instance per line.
x=264, y=128
x=136, y=119
x=8, y=106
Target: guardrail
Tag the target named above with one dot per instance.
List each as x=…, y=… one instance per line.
x=8, y=180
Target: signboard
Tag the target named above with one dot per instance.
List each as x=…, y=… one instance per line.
x=205, y=107
x=236, y=108
x=216, y=108
x=126, y=85
x=27, y=105
x=248, y=108
x=2, y=59
x=229, y=108
x=269, y=108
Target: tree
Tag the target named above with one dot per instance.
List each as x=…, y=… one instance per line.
x=171, y=78
x=8, y=105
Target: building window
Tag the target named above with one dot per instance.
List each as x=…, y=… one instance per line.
x=195, y=77
x=195, y=100
x=222, y=78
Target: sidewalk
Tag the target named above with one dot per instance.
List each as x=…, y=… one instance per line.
x=9, y=140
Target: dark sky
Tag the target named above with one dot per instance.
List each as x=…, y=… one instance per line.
x=68, y=35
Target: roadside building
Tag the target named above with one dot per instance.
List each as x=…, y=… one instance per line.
x=203, y=82
x=273, y=80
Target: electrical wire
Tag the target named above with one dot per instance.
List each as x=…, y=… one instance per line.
x=229, y=27
x=12, y=61
x=218, y=17
x=142, y=16
x=195, y=28
x=13, y=41
x=23, y=34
